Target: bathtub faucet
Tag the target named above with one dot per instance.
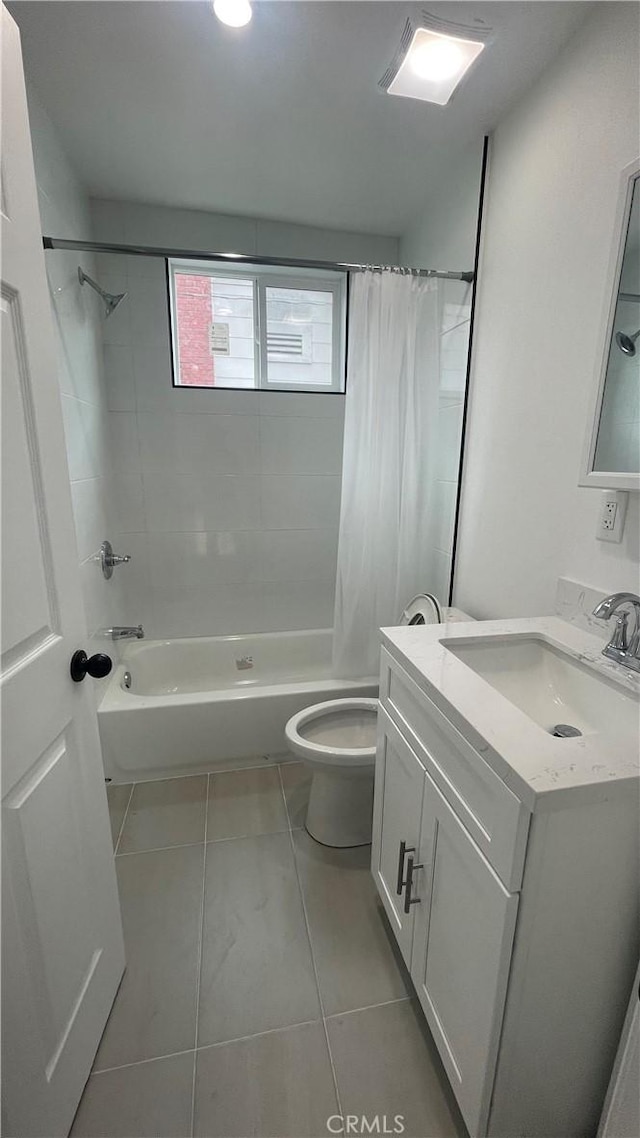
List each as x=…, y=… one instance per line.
x=124, y=632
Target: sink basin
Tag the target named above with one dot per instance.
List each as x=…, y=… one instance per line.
x=549, y=685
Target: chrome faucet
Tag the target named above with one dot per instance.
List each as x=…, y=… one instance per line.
x=124, y=632
x=623, y=647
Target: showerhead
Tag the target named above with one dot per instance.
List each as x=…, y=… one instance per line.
x=627, y=344
x=111, y=300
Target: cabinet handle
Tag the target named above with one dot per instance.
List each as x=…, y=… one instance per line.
x=408, y=899
x=404, y=850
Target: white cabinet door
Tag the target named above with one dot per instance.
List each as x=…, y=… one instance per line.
x=397, y=811
x=465, y=920
x=63, y=954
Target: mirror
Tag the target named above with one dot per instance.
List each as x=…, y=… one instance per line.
x=613, y=458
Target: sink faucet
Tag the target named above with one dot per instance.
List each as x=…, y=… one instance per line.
x=124, y=632
x=622, y=648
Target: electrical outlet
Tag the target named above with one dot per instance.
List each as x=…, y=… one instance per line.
x=613, y=510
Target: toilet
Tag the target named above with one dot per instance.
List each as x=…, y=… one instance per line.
x=337, y=741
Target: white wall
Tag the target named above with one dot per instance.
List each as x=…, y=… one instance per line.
x=230, y=502
x=548, y=227
x=443, y=236
x=64, y=210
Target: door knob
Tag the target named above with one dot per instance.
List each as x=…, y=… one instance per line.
x=96, y=666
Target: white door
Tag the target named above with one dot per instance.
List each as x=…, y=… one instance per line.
x=63, y=953
x=621, y=1113
x=397, y=811
x=465, y=921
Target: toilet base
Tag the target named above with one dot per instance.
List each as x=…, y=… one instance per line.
x=340, y=810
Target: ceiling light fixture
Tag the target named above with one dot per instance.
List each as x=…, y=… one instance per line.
x=234, y=13
x=432, y=58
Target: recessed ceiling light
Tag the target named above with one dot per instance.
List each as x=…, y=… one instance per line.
x=234, y=13
x=433, y=58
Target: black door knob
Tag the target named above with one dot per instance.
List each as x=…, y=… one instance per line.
x=81, y=664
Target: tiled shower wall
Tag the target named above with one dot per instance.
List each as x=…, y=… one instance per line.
x=454, y=346
x=64, y=211
x=229, y=501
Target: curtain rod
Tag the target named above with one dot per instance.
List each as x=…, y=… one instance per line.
x=244, y=258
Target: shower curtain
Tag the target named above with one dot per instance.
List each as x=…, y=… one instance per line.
x=389, y=461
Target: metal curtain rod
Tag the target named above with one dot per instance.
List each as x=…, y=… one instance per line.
x=243, y=258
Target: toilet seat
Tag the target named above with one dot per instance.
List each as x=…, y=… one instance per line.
x=339, y=732
x=422, y=609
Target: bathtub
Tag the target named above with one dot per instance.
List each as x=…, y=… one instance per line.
x=211, y=703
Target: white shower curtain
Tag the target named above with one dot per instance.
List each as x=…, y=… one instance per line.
x=388, y=472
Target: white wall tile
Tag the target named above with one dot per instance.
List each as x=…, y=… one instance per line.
x=298, y=604
x=118, y=378
x=221, y=610
x=86, y=445
x=300, y=501
x=153, y=376
x=125, y=503
x=440, y=576
x=197, y=560
x=201, y=503
x=89, y=512
x=298, y=555
x=97, y=595
x=223, y=444
x=299, y=403
x=300, y=445
x=131, y=582
x=449, y=433
x=444, y=502
x=122, y=442
x=148, y=301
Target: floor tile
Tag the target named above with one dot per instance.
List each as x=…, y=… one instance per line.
x=154, y=1011
x=277, y=1085
x=357, y=960
x=296, y=780
x=166, y=813
x=245, y=802
x=117, y=798
x=257, y=971
x=148, y=1100
x=386, y=1064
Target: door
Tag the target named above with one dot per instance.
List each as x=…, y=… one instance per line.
x=465, y=920
x=63, y=954
x=621, y=1113
x=397, y=811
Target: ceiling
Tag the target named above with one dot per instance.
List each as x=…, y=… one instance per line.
x=159, y=102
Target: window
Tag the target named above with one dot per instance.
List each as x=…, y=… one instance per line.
x=257, y=327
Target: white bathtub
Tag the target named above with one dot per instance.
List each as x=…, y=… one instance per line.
x=213, y=702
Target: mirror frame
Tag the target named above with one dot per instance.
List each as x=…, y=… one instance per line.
x=610, y=480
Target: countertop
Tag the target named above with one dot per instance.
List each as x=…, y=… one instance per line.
x=539, y=768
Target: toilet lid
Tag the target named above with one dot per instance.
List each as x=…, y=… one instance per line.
x=421, y=610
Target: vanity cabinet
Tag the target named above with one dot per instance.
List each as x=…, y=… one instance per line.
x=518, y=926
x=396, y=827
x=464, y=924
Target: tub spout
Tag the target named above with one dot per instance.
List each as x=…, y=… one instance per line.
x=124, y=632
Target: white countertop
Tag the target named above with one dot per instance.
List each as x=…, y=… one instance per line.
x=534, y=764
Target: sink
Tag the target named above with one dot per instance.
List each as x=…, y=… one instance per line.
x=549, y=685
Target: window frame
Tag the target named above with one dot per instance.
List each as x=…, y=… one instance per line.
x=262, y=278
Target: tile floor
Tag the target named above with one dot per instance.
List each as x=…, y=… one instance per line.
x=263, y=992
